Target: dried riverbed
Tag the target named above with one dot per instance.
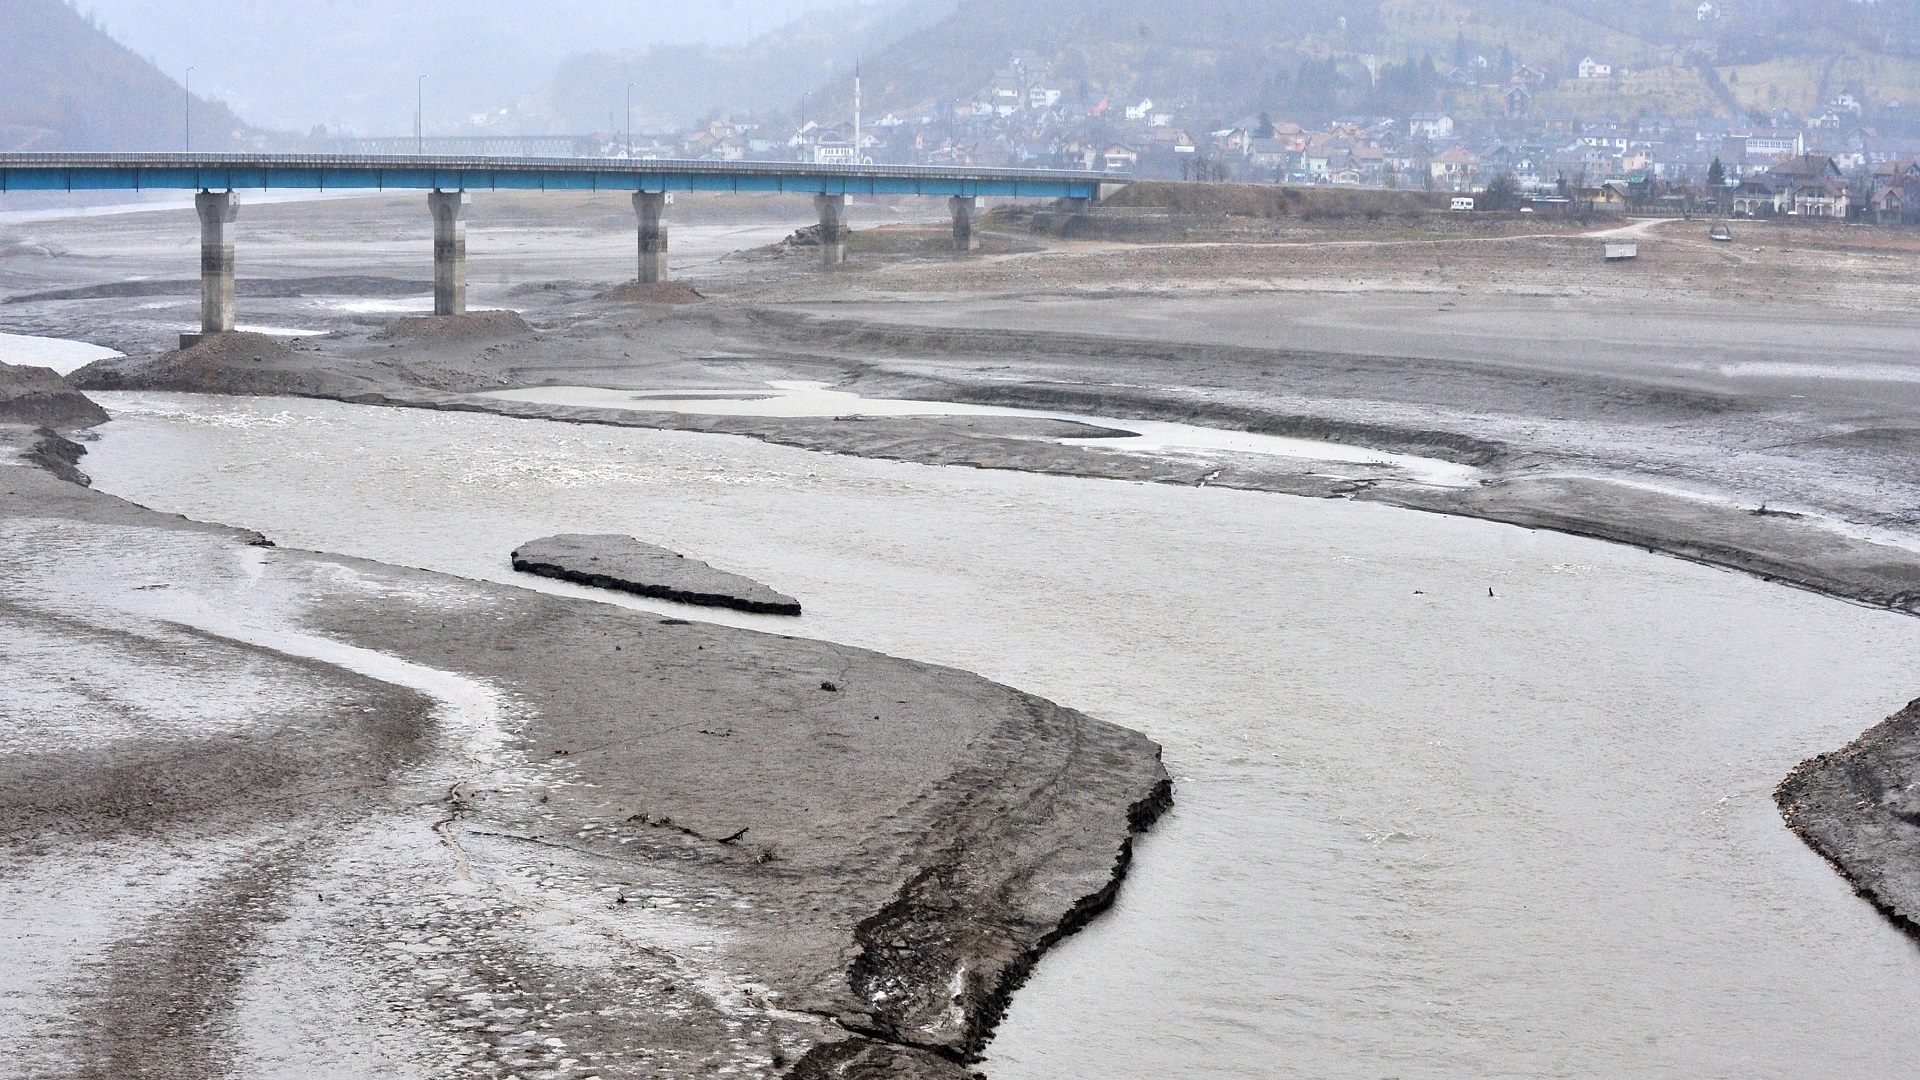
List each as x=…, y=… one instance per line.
x=1423, y=831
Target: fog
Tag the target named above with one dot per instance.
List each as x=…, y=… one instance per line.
x=354, y=64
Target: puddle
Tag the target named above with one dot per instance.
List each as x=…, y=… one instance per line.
x=403, y=305
x=279, y=331
x=814, y=399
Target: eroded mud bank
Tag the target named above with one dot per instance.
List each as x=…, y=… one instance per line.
x=468, y=829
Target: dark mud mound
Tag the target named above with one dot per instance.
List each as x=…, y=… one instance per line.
x=1860, y=807
x=39, y=396
x=613, y=561
x=657, y=292
x=473, y=326
x=230, y=363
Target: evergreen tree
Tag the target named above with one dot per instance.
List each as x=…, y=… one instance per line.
x=1716, y=175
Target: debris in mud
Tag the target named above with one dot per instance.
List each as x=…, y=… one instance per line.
x=613, y=561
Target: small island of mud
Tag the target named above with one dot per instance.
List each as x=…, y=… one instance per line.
x=613, y=561
x=1860, y=807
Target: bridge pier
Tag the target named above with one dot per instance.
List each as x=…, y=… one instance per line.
x=217, y=209
x=964, y=208
x=833, y=227
x=449, y=210
x=651, y=207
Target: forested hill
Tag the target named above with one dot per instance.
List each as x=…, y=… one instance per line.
x=66, y=85
x=1325, y=57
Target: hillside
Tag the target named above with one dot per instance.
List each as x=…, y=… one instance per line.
x=66, y=85
x=674, y=85
x=1311, y=60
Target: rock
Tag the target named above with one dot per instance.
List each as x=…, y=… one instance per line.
x=41, y=397
x=613, y=561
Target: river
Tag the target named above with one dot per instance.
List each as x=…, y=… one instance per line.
x=1454, y=799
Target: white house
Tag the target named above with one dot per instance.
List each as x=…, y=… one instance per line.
x=1706, y=12
x=1428, y=125
x=1594, y=69
x=1140, y=111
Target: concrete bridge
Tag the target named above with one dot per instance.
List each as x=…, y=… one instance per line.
x=448, y=181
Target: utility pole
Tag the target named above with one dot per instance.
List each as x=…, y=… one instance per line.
x=189, y=108
x=629, y=119
x=420, y=116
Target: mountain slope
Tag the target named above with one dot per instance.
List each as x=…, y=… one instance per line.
x=1311, y=59
x=676, y=84
x=66, y=85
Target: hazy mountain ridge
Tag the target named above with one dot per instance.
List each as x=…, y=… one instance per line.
x=677, y=84
x=1311, y=58
x=66, y=85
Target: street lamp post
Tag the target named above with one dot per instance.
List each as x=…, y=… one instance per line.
x=629, y=119
x=189, y=108
x=420, y=116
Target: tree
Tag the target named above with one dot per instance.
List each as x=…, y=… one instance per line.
x=1716, y=175
x=1503, y=193
x=1265, y=130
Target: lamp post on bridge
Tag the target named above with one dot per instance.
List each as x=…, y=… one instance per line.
x=189, y=108
x=420, y=116
x=629, y=119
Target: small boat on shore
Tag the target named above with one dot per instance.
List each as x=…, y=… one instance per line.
x=1720, y=232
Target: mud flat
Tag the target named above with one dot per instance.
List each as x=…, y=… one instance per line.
x=613, y=561
x=1860, y=807
x=468, y=829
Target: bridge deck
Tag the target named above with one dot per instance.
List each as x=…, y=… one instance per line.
x=326, y=172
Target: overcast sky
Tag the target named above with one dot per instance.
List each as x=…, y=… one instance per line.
x=292, y=64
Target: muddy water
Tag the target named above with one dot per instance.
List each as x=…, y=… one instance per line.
x=1421, y=830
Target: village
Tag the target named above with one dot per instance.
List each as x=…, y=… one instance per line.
x=1832, y=165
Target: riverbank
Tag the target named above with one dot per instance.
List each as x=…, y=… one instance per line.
x=1520, y=834
x=519, y=830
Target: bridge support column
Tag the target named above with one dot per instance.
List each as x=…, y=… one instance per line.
x=833, y=228
x=651, y=207
x=217, y=209
x=449, y=251
x=965, y=208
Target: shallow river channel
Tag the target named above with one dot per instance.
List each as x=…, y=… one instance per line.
x=1422, y=829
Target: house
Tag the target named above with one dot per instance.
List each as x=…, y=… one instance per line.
x=1706, y=12
x=1594, y=69
x=1432, y=126
x=1140, y=111
x=1453, y=169
x=1270, y=153
x=1518, y=98
x=1753, y=198
x=1896, y=192
x=1042, y=96
x=1820, y=199
x=1119, y=158
x=1896, y=205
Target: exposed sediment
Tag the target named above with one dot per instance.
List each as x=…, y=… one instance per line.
x=1860, y=807
x=41, y=397
x=613, y=561
x=505, y=827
